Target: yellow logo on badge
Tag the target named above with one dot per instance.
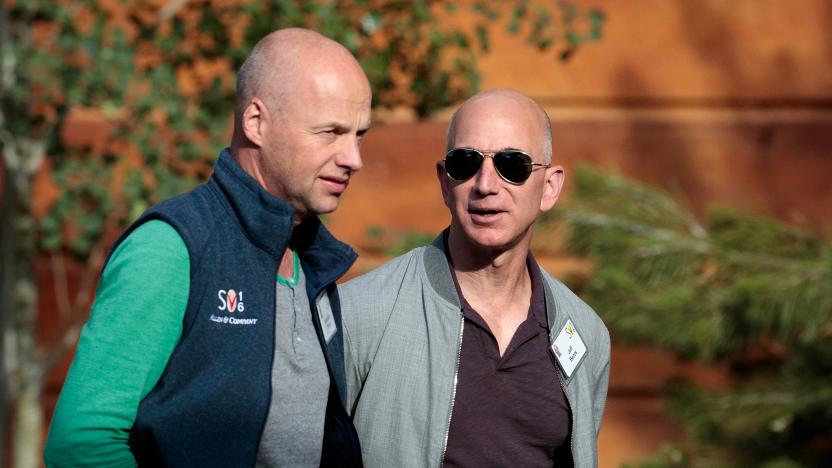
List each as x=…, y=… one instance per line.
x=570, y=330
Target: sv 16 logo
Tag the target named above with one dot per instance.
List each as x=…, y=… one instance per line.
x=231, y=300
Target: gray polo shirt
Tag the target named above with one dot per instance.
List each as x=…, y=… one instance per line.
x=293, y=433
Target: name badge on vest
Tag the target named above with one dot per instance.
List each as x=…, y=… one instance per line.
x=569, y=349
x=326, y=318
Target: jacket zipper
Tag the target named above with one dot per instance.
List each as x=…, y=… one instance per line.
x=571, y=417
x=453, y=392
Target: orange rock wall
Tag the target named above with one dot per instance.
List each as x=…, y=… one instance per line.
x=688, y=52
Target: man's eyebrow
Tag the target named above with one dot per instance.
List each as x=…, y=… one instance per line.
x=505, y=148
x=341, y=126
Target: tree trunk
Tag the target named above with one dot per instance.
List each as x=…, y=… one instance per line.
x=22, y=362
x=6, y=257
x=28, y=434
x=6, y=281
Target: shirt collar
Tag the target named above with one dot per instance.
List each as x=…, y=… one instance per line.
x=537, y=302
x=268, y=222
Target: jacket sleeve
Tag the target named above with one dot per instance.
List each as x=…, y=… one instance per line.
x=134, y=325
x=366, y=304
x=602, y=377
x=353, y=380
x=356, y=360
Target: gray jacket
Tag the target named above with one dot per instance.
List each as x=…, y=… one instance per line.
x=403, y=332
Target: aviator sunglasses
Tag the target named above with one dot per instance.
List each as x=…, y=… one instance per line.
x=513, y=166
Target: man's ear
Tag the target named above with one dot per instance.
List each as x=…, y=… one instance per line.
x=552, y=187
x=443, y=181
x=255, y=115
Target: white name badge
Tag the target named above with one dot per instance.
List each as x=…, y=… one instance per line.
x=328, y=326
x=569, y=349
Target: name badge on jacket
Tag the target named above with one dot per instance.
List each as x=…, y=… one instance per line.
x=326, y=318
x=569, y=349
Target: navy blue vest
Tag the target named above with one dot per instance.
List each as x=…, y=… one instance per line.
x=211, y=402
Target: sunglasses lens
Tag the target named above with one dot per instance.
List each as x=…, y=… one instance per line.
x=514, y=166
x=462, y=164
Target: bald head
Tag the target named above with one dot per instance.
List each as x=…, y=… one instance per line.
x=303, y=106
x=284, y=58
x=503, y=100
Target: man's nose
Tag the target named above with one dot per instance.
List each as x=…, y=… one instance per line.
x=350, y=156
x=486, y=179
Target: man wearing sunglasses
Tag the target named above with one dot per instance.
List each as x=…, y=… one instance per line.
x=465, y=352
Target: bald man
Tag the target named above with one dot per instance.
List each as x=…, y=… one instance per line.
x=215, y=338
x=465, y=352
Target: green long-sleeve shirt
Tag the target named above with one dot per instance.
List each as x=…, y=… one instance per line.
x=134, y=325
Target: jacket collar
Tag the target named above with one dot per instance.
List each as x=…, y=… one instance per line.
x=439, y=275
x=325, y=258
x=439, y=270
x=267, y=221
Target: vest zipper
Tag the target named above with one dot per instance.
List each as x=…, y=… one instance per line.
x=453, y=392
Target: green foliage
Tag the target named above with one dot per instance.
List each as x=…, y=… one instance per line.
x=164, y=79
x=393, y=243
x=737, y=281
x=742, y=290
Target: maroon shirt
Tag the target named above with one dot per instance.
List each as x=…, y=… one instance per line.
x=509, y=410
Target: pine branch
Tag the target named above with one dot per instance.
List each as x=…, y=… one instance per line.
x=727, y=285
x=748, y=291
